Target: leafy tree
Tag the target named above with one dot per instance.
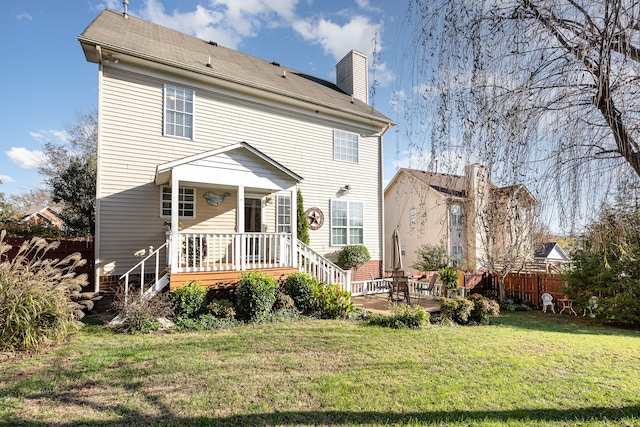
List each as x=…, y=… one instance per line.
x=431, y=258
x=70, y=171
x=607, y=265
x=6, y=209
x=75, y=187
x=534, y=88
x=303, y=225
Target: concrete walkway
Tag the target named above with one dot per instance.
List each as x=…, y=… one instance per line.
x=379, y=303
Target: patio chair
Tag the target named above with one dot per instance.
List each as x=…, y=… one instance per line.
x=592, y=305
x=426, y=288
x=547, y=301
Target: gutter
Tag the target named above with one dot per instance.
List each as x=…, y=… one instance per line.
x=198, y=70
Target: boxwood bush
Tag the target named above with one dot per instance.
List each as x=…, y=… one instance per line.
x=256, y=295
x=190, y=300
x=403, y=316
x=330, y=302
x=299, y=286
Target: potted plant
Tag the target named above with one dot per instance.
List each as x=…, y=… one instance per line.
x=449, y=277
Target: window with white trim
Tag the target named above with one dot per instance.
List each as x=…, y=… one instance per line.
x=456, y=255
x=178, y=111
x=283, y=217
x=345, y=146
x=347, y=223
x=455, y=211
x=186, y=202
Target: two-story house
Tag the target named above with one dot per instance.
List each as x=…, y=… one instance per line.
x=214, y=145
x=474, y=220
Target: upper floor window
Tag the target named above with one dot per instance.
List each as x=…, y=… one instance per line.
x=345, y=146
x=186, y=202
x=283, y=220
x=456, y=255
x=413, y=218
x=178, y=111
x=455, y=212
x=347, y=223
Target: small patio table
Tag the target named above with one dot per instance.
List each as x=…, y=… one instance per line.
x=567, y=304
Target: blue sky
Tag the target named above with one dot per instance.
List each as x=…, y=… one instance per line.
x=47, y=82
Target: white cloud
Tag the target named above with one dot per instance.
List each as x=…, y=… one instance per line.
x=384, y=75
x=24, y=16
x=5, y=178
x=111, y=4
x=47, y=135
x=26, y=159
x=364, y=4
x=359, y=32
x=226, y=22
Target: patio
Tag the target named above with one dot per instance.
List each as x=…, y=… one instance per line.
x=379, y=303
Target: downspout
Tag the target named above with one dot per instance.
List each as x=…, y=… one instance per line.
x=96, y=237
x=381, y=200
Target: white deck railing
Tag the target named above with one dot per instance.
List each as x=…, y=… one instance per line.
x=147, y=273
x=232, y=251
x=201, y=252
x=309, y=261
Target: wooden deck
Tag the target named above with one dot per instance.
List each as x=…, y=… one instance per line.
x=379, y=303
x=222, y=279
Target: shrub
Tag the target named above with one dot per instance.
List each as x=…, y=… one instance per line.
x=222, y=309
x=353, y=256
x=38, y=296
x=403, y=316
x=330, y=302
x=514, y=304
x=140, y=313
x=457, y=310
x=190, y=300
x=299, y=287
x=255, y=296
x=431, y=258
x=483, y=308
x=283, y=302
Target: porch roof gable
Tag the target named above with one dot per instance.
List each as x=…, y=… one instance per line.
x=235, y=163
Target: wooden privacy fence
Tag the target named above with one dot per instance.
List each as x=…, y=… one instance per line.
x=529, y=286
x=67, y=247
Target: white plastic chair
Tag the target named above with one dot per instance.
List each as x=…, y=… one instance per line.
x=593, y=304
x=547, y=301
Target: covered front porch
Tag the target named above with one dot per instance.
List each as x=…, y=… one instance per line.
x=238, y=207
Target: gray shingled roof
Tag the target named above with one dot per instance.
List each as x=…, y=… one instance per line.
x=136, y=37
x=453, y=185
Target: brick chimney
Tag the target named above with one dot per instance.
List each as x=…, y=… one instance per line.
x=352, y=75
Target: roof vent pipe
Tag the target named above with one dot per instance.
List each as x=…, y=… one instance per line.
x=125, y=3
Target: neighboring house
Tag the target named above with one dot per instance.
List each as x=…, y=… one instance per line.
x=46, y=215
x=467, y=215
x=215, y=143
x=551, y=256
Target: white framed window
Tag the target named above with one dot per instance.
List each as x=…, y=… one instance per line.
x=178, y=111
x=347, y=223
x=455, y=213
x=345, y=146
x=456, y=255
x=283, y=217
x=186, y=202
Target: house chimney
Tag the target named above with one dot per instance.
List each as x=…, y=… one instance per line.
x=352, y=75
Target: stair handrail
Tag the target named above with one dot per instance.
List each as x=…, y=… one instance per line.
x=326, y=266
x=140, y=265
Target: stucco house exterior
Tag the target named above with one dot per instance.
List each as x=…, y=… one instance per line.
x=213, y=145
x=454, y=211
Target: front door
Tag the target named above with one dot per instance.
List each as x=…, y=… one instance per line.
x=253, y=224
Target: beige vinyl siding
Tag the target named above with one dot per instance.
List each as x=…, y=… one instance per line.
x=403, y=194
x=133, y=145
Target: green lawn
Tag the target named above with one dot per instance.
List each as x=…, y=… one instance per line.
x=524, y=369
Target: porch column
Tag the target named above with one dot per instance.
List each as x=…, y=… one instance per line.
x=294, y=226
x=240, y=240
x=175, y=221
